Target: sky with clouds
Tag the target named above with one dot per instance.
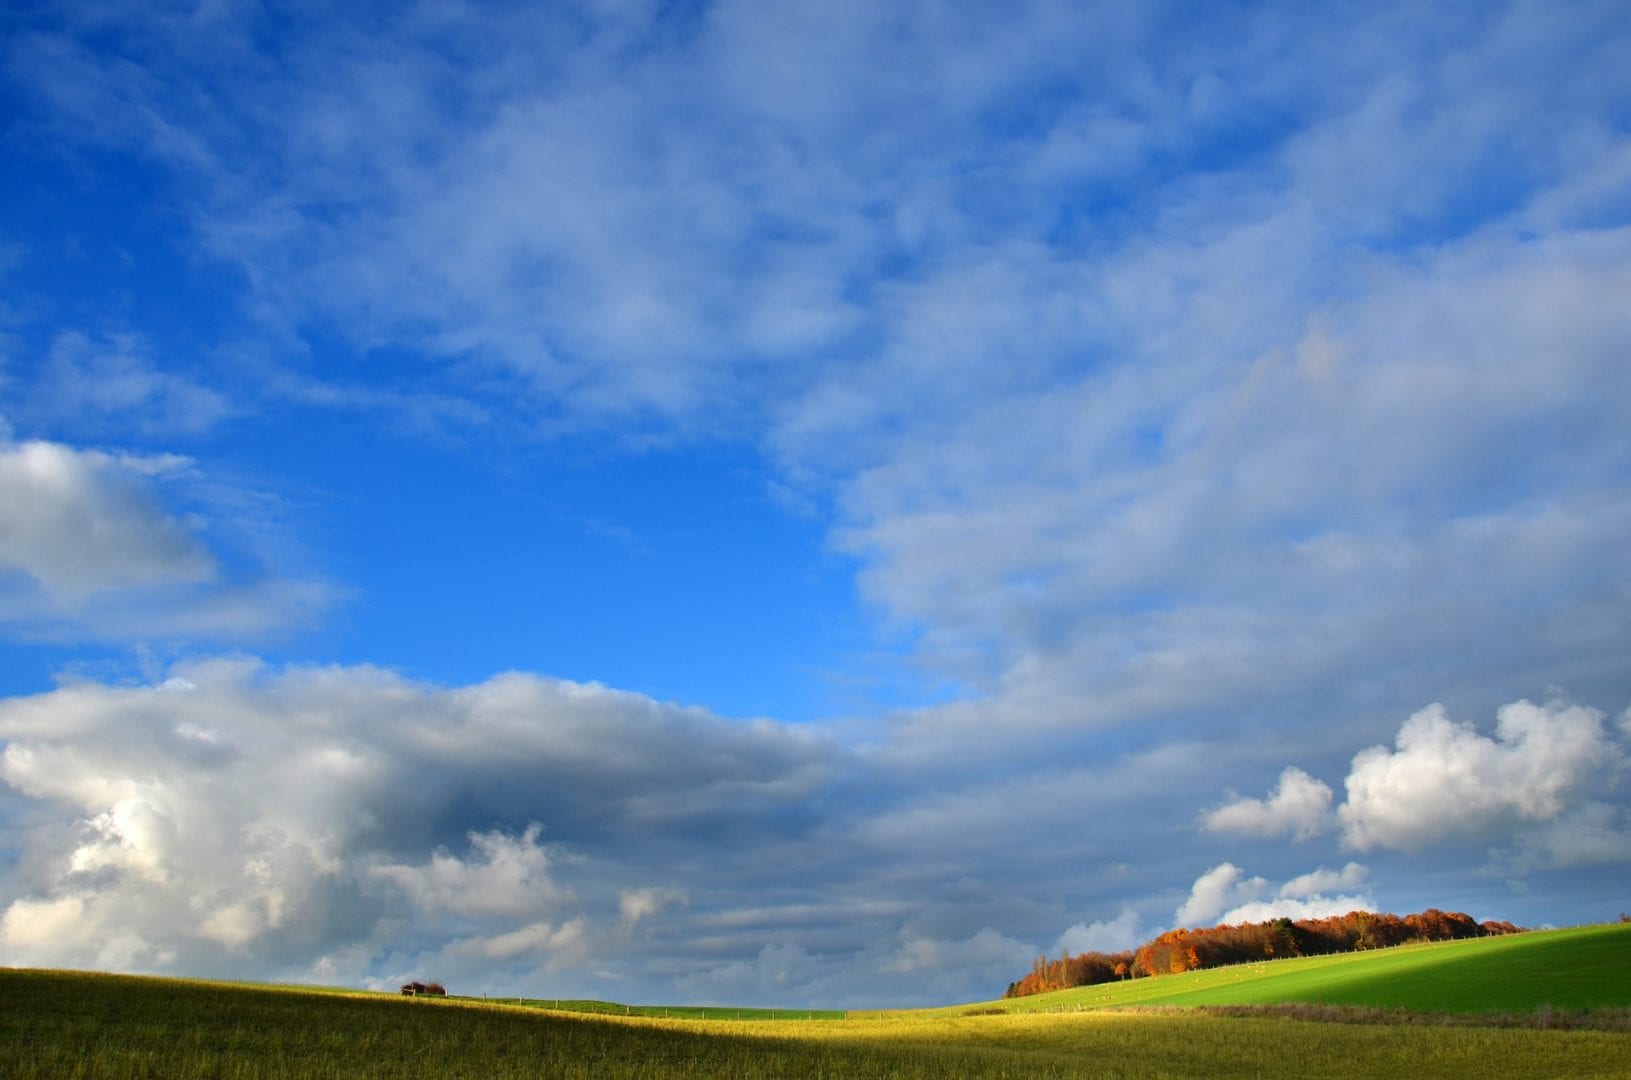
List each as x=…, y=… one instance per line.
x=803, y=504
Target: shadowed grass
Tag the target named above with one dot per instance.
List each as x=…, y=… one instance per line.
x=664, y=1012
x=1543, y=1018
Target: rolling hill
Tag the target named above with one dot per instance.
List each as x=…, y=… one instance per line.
x=1581, y=968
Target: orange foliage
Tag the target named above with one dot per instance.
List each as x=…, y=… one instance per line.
x=1084, y=969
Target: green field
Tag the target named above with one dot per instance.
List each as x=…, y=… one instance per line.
x=75, y=1024
x=1584, y=968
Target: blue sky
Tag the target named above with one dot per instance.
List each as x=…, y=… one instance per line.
x=803, y=504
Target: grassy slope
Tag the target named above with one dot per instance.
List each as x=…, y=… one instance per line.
x=1588, y=967
x=664, y=1012
x=67, y=1024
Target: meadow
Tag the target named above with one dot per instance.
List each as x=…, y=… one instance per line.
x=1579, y=968
x=76, y=1024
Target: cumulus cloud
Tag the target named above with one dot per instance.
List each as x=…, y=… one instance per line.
x=1542, y=790
x=1225, y=895
x=70, y=931
x=1295, y=907
x=505, y=876
x=557, y=945
x=1322, y=880
x=275, y=815
x=1112, y=935
x=1299, y=805
x=1443, y=779
x=1223, y=885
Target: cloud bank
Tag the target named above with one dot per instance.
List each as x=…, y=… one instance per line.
x=350, y=824
x=295, y=815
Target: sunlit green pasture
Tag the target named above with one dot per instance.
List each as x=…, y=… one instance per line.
x=1584, y=968
x=65, y=1024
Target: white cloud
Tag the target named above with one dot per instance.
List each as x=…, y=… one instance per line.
x=113, y=383
x=1135, y=451
x=1113, y=935
x=1444, y=780
x=1350, y=876
x=775, y=972
x=505, y=876
x=239, y=815
x=985, y=950
x=633, y=905
x=108, y=546
x=1214, y=891
x=69, y=931
x=556, y=945
x=79, y=522
x=1224, y=895
x=1299, y=805
x=1294, y=907
x=134, y=835
x=1199, y=533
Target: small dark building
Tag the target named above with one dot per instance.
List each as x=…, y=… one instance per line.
x=419, y=989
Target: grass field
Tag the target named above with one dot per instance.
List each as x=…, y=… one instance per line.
x=665, y=1012
x=75, y=1024
x=1584, y=968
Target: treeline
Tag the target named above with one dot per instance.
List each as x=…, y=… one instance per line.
x=1183, y=950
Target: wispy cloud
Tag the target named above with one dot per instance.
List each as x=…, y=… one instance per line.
x=91, y=386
